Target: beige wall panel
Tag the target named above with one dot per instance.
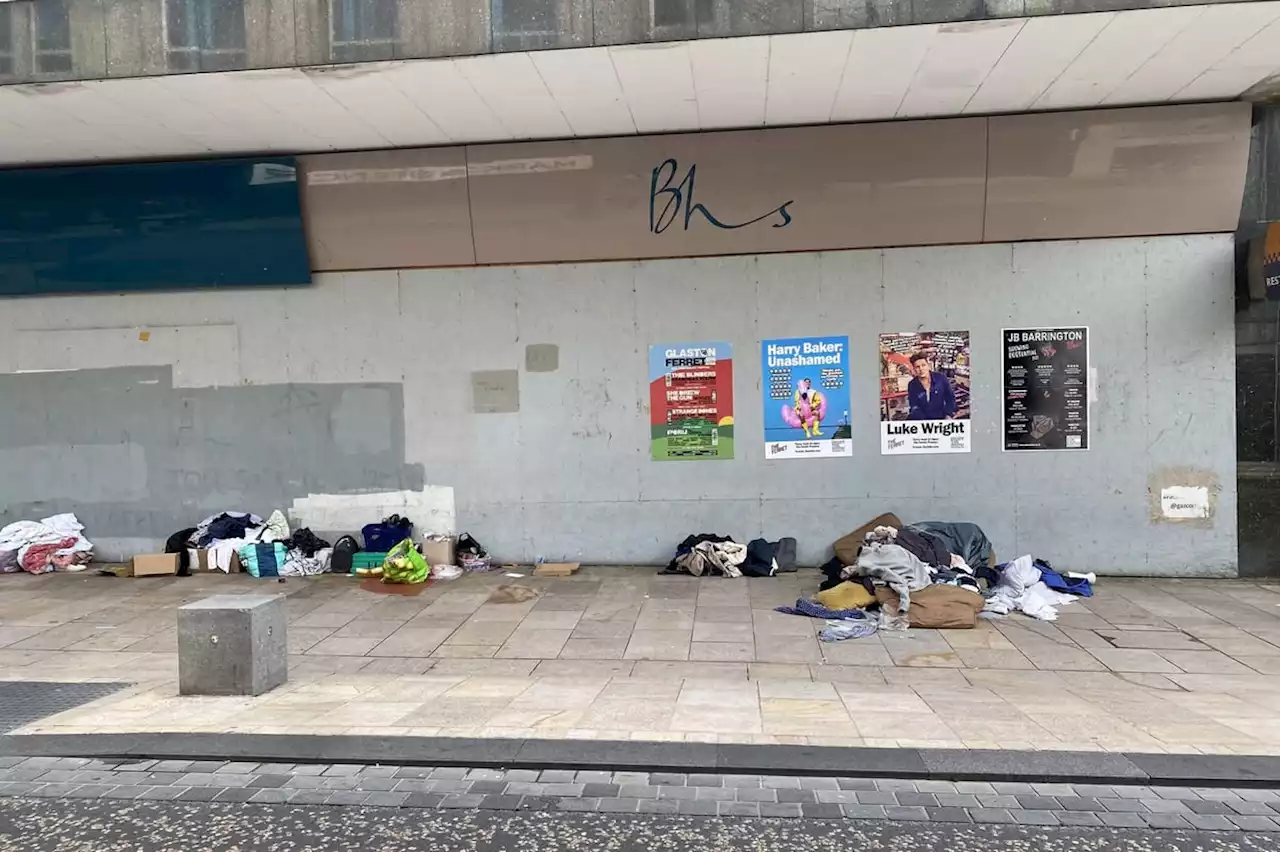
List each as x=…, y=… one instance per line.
x=1112, y=173
x=387, y=209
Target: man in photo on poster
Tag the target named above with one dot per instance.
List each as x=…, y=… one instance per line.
x=929, y=395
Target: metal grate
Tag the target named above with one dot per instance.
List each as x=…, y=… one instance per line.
x=24, y=702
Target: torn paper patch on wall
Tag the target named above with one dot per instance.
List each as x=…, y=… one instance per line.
x=1184, y=502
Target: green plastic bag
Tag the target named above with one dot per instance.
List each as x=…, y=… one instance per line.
x=404, y=564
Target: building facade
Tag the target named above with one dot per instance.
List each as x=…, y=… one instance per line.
x=468, y=339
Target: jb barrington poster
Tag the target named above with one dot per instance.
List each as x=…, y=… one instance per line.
x=691, y=401
x=1046, y=388
x=805, y=382
x=924, y=392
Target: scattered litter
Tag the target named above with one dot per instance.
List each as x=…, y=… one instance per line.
x=509, y=593
x=513, y=574
x=445, y=572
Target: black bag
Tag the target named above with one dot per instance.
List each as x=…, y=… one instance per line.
x=177, y=543
x=786, y=555
x=343, y=551
x=468, y=546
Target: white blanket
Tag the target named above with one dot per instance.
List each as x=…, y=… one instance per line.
x=1020, y=588
x=22, y=535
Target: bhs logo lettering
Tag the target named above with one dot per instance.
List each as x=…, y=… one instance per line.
x=679, y=197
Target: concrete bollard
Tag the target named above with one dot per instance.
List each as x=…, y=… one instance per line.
x=232, y=645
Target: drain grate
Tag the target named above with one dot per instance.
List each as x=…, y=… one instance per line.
x=25, y=701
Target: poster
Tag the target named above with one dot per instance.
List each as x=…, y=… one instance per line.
x=924, y=392
x=1046, y=389
x=691, y=401
x=805, y=384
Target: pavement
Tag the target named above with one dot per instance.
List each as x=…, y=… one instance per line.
x=1150, y=666
x=151, y=826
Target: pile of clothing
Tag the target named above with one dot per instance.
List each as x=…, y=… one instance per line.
x=39, y=547
x=264, y=548
x=1032, y=587
x=932, y=574
x=919, y=575
x=706, y=553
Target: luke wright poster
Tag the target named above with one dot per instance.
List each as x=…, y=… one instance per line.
x=806, y=397
x=924, y=392
x=691, y=401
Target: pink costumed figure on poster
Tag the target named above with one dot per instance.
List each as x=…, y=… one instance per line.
x=807, y=409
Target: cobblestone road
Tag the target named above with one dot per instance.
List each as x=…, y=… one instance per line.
x=456, y=788
x=111, y=826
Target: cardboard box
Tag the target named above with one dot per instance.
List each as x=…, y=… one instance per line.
x=200, y=562
x=441, y=551
x=155, y=564
x=556, y=569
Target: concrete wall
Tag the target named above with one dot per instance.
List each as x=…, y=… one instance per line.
x=125, y=38
x=281, y=414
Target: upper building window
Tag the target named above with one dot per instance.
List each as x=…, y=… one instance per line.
x=53, y=36
x=205, y=35
x=6, y=39
x=525, y=17
x=363, y=29
x=683, y=13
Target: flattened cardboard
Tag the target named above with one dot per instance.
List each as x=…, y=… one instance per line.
x=155, y=564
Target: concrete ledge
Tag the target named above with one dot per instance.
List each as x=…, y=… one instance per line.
x=938, y=764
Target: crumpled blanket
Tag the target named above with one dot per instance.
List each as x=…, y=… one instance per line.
x=277, y=528
x=813, y=609
x=713, y=557
x=225, y=525
x=849, y=630
x=1020, y=588
x=894, y=566
x=58, y=537
x=881, y=535
x=298, y=564
x=42, y=558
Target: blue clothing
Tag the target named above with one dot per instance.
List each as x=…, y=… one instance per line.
x=938, y=404
x=813, y=609
x=1062, y=583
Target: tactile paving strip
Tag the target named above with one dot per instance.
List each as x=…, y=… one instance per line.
x=24, y=702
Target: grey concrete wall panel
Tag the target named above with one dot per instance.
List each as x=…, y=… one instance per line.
x=271, y=35
x=912, y=183
x=539, y=24
x=364, y=382
x=387, y=209
x=569, y=475
x=749, y=17
x=135, y=37
x=449, y=28
x=1178, y=169
x=88, y=41
x=136, y=458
